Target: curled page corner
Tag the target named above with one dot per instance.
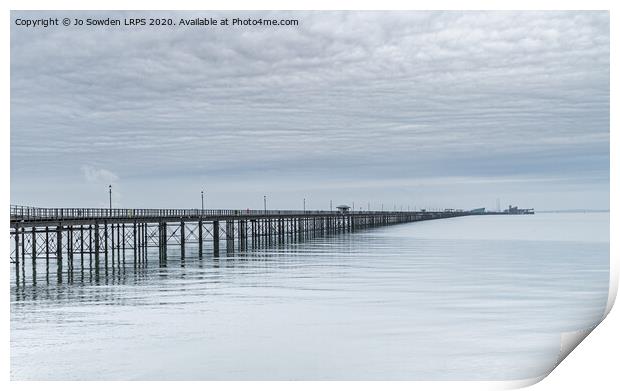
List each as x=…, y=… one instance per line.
x=613, y=288
x=515, y=384
x=570, y=340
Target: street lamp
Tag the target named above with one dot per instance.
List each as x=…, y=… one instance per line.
x=330, y=206
x=265, y=203
x=304, y=205
x=202, y=201
x=110, y=195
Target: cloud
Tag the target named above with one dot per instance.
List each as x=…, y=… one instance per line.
x=342, y=95
x=98, y=175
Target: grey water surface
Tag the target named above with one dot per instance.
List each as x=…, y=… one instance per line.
x=478, y=297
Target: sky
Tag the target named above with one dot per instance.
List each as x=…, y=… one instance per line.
x=387, y=109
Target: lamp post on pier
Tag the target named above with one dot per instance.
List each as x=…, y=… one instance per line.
x=202, y=202
x=110, y=195
x=265, y=203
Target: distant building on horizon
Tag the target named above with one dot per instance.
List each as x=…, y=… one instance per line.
x=514, y=210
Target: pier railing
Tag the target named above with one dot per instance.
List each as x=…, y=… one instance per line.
x=30, y=213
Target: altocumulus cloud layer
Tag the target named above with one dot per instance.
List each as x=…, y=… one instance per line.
x=426, y=109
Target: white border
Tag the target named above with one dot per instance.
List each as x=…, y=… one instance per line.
x=594, y=362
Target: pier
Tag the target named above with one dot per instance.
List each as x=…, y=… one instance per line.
x=102, y=239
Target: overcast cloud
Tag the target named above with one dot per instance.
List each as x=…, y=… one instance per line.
x=425, y=109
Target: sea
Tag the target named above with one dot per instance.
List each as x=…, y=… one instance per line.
x=467, y=298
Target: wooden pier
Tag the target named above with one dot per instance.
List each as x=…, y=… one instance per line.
x=101, y=239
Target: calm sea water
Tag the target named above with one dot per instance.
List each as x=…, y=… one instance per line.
x=479, y=297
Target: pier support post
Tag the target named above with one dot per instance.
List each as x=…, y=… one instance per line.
x=159, y=241
x=59, y=252
x=90, y=247
x=118, y=243
x=23, y=233
x=240, y=233
x=145, y=253
x=97, y=247
x=135, y=244
x=281, y=230
x=139, y=243
x=105, y=243
x=216, y=238
x=182, y=240
x=16, y=236
x=70, y=248
x=230, y=235
x=47, y=247
x=112, y=244
x=199, y=239
x=34, y=255
x=81, y=247
x=34, y=245
x=163, y=243
x=124, y=243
